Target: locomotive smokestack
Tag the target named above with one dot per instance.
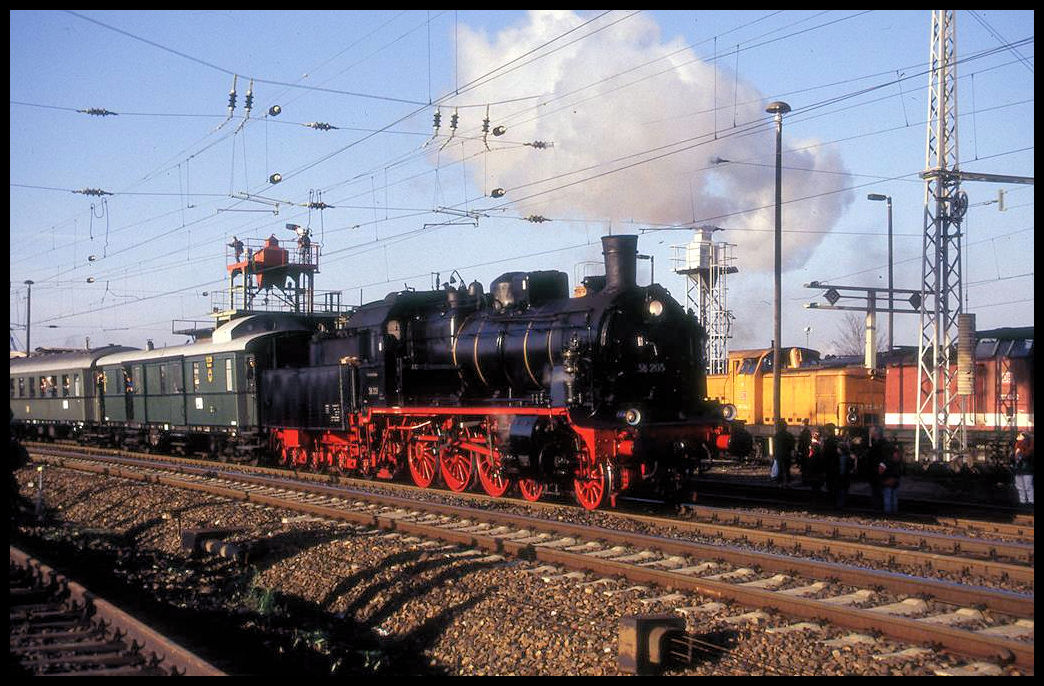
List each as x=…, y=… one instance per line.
x=621, y=261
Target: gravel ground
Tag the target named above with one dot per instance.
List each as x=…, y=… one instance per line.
x=329, y=598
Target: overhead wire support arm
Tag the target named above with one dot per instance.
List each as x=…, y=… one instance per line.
x=253, y=198
x=989, y=178
x=471, y=214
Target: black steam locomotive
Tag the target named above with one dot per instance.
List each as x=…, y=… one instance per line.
x=601, y=393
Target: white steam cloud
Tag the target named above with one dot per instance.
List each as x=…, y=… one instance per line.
x=638, y=142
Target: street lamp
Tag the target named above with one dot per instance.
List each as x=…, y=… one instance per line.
x=888, y=199
x=778, y=109
x=28, y=309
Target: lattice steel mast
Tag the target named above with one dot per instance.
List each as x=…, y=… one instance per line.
x=706, y=264
x=944, y=208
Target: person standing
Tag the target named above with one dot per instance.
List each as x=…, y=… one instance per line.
x=1023, y=468
x=831, y=461
x=237, y=247
x=890, y=471
x=845, y=462
x=784, y=447
x=804, y=446
x=304, y=241
x=878, y=453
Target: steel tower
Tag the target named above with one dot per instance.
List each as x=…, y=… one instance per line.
x=705, y=265
x=944, y=208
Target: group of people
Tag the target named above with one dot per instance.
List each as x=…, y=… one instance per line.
x=304, y=242
x=825, y=456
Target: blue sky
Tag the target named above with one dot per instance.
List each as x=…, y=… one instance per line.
x=612, y=121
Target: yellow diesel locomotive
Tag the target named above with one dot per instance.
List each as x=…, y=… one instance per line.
x=831, y=390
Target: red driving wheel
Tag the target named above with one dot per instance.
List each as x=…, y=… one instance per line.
x=423, y=463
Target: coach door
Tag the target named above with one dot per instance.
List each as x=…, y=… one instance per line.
x=99, y=393
x=128, y=392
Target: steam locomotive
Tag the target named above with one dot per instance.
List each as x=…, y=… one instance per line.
x=602, y=392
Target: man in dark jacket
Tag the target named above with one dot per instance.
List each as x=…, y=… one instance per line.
x=784, y=448
x=870, y=468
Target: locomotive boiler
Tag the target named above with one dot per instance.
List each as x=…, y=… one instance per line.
x=523, y=385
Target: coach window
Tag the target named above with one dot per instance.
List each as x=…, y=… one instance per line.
x=175, y=375
x=163, y=380
x=76, y=385
x=228, y=374
x=12, y=387
x=32, y=386
x=65, y=385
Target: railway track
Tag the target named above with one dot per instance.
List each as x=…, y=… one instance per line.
x=1001, y=553
x=58, y=627
x=979, y=622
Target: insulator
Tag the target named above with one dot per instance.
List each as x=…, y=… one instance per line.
x=438, y=119
x=453, y=121
x=485, y=125
x=537, y=219
x=320, y=126
x=92, y=191
x=540, y=145
x=232, y=95
x=98, y=112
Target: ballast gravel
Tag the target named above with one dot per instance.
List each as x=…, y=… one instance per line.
x=354, y=600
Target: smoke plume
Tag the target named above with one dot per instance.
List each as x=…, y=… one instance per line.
x=639, y=143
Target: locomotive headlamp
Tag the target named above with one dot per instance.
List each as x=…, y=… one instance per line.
x=655, y=308
x=632, y=416
x=728, y=411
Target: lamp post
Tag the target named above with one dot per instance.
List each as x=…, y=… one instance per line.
x=28, y=310
x=888, y=200
x=778, y=109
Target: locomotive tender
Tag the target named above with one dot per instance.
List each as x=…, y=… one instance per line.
x=601, y=393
